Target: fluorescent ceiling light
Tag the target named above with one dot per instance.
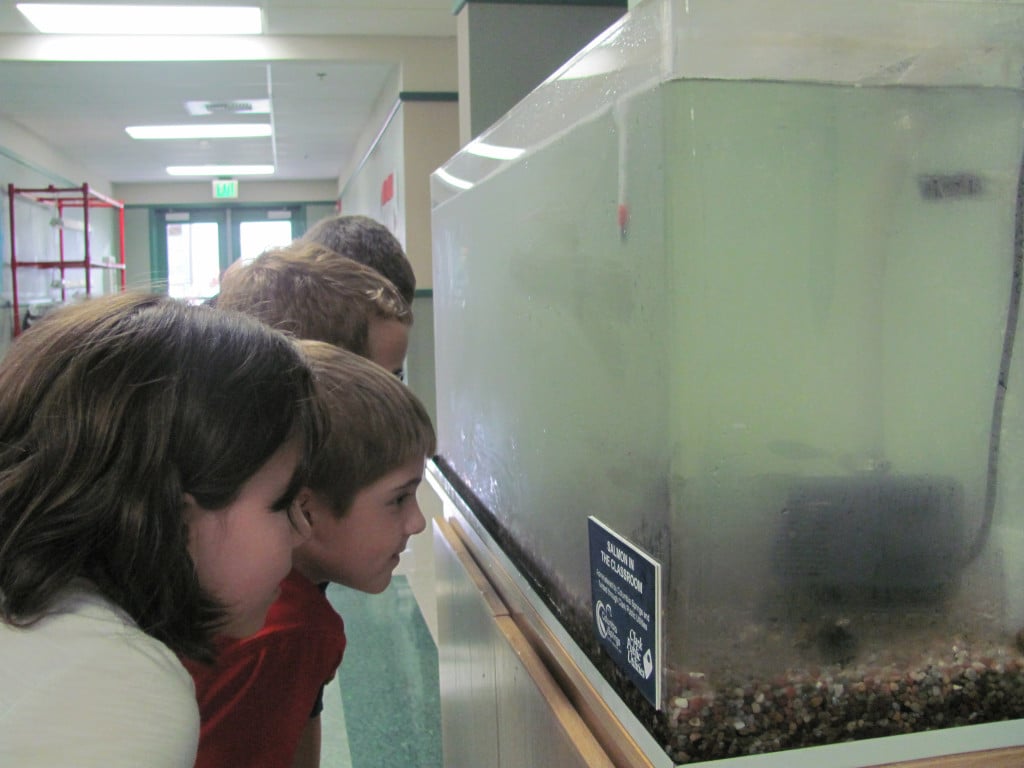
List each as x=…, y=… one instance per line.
x=134, y=48
x=199, y=131
x=493, y=151
x=65, y=18
x=220, y=170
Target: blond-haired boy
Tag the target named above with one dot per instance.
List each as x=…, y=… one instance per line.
x=311, y=292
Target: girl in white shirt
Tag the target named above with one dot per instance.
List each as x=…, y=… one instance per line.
x=150, y=452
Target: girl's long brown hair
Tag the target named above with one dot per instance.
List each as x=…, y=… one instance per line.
x=112, y=410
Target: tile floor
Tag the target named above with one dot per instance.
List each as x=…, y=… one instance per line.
x=383, y=708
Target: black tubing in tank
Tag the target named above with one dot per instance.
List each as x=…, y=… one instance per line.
x=1012, y=313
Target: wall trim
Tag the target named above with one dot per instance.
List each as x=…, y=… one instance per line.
x=36, y=168
x=404, y=96
x=224, y=204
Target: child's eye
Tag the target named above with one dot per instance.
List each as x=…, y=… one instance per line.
x=401, y=499
x=285, y=501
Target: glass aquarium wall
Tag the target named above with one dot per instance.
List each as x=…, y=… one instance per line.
x=741, y=280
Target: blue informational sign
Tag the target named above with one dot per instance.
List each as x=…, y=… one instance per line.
x=625, y=588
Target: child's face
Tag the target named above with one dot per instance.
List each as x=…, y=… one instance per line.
x=361, y=548
x=243, y=551
x=387, y=342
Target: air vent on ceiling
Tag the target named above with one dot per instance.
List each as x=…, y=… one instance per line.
x=231, y=107
x=228, y=106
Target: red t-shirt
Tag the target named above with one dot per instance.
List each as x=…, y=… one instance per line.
x=255, y=701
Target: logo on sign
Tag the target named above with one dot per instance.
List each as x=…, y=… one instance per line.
x=638, y=658
x=605, y=626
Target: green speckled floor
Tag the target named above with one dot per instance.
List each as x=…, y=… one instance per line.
x=383, y=709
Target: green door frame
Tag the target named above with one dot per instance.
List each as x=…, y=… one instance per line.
x=158, y=220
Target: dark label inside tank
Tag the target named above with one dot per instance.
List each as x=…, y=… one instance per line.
x=625, y=587
x=947, y=186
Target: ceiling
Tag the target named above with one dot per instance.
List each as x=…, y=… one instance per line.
x=322, y=63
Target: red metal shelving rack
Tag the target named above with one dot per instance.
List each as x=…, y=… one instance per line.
x=63, y=198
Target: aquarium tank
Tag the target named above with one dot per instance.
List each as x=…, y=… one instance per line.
x=741, y=280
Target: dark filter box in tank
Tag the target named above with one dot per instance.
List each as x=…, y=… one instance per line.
x=874, y=536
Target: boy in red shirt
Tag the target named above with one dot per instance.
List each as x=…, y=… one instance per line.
x=260, y=702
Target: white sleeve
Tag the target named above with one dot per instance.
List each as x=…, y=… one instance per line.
x=121, y=705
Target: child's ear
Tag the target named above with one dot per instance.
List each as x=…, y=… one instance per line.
x=304, y=499
x=190, y=509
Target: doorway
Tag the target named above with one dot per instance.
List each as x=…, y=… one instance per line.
x=194, y=246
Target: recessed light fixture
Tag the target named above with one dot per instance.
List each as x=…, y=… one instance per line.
x=199, y=131
x=220, y=170
x=69, y=19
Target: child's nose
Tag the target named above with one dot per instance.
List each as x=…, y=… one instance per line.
x=417, y=523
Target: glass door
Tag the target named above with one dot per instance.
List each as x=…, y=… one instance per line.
x=194, y=246
x=257, y=229
x=192, y=252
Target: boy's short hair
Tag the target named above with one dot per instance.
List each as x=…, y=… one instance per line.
x=313, y=293
x=369, y=242
x=376, y=424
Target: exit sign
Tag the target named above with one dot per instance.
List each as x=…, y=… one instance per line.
x=225, y=188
